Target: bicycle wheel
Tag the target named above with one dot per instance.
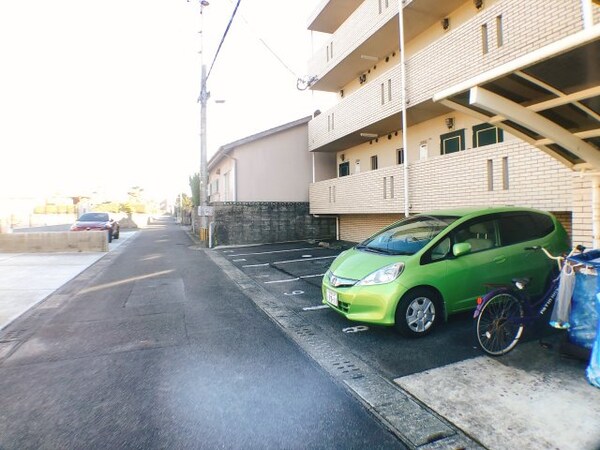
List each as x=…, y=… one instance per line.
x=500, y=324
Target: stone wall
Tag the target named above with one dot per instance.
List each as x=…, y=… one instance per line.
x=240, y=223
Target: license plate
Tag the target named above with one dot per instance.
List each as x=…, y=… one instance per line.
x=332, y=297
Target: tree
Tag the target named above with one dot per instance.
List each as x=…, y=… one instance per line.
x=195, y=187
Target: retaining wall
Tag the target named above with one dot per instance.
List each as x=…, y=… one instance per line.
x=240, y=223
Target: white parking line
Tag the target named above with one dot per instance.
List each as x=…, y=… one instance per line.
x=239, y=260
x=314, y=308
x=287, y=280
x=256, y=265
x=289, y=261
x=278, y=251
x=294, y=279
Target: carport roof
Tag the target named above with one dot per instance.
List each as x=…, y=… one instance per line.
x=549, y=98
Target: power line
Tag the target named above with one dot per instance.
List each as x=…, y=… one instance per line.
x=223, y=38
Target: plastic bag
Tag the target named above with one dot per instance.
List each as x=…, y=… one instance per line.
x=593, y=370
x=562, y=304
x=583, y=318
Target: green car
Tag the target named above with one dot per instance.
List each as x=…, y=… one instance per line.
x=421, y=269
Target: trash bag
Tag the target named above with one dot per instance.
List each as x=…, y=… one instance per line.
x=583, y=319
x=562, y=304
x=593, y=370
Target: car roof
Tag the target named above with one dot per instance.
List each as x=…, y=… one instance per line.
x=477, y=211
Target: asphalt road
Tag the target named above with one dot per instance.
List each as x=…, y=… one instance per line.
x=155, y=347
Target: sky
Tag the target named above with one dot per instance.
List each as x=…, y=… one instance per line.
x=102, y=95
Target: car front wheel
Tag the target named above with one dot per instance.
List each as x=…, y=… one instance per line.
x=418, y=313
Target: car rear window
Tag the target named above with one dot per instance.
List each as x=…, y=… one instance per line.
x=94, y=217
x=521, y=227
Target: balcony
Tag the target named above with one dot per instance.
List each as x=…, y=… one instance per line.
x=499, y=174
x=371, y=29
x=455, y=57
x=376, y=191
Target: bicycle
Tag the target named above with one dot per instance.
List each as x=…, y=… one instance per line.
x=502, y=314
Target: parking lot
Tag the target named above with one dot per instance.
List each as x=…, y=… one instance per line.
x=293, y=273
x=460, y=393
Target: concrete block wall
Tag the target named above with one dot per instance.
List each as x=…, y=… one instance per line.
x=240, y=223
x=54, y=241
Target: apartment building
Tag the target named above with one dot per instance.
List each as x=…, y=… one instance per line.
x=457, y=103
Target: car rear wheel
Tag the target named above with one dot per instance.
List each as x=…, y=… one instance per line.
x=417, y=313
x=116, y=235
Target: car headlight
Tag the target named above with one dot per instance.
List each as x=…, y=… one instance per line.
x=384, y=275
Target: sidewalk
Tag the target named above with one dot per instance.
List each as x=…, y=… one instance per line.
x=26, y=279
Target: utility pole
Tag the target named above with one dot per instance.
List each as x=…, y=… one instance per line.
x=203, y=99
x=204, y=95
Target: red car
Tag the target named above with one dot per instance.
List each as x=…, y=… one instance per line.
x=98, y=221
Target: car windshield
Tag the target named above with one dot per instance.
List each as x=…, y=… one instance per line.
x=408, y=236
x=94, y=217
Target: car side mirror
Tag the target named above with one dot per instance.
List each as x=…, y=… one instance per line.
x=461, y=249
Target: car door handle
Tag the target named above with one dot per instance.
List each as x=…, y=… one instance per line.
x=499, y=259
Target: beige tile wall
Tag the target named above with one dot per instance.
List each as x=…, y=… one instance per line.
x=459, y=179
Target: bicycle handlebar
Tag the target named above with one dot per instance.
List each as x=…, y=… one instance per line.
x=558, y=259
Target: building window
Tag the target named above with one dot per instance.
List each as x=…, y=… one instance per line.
x=374, y=162
x=344, y=169
x=384, y=187
x=390, y=89
x=382, y=93
x=400, y=156
x=452, y=142
x=499, y=32
x=490, y=174
x=484, y=38
x=486, y=134
x=391, y=187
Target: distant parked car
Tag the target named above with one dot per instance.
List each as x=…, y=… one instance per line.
x=417, y=271
x=98, y=221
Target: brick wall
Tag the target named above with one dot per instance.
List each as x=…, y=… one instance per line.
x=240, y=223
x=582, y=211
x=460, y=179
x=458, y=56
x=358, y=227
